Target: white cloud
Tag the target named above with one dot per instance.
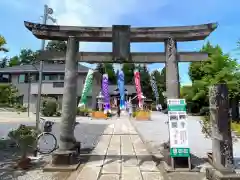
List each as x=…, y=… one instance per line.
x=100, y=13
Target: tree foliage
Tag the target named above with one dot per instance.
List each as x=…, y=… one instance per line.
x=3, y=62
x=49, y=106
x=111, y=73
x=128, y=70
x=218, y=68
x=109, y=69
x=2, y=44
x=145, y=82
x=8, y=95
x=58, y=46
x=100, y=68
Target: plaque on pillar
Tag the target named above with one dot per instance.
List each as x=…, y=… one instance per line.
x=121, y=43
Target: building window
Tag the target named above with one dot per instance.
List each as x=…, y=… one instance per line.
x=46, y=77
x=50, y=77
x=5, y=78
x=34, y=77
x=61, y=76
x=53, y=77
x=58, y=84
x=21, y=78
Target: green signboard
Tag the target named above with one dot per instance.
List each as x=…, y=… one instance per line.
x=180, y=152
x=180, y=107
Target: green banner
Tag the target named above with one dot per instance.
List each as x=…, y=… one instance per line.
x=87, y=87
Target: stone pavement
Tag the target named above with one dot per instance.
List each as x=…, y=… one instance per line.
x=120, y=154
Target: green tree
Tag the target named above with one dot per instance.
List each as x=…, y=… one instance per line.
x=57, y=46
x=107, y=68
x=2, y=44
x=14, y=61
x=100, y=68
x=27, y=56
x=8, y=95
x=145, y=82
x=128, y=70
x=3, y=62
x=111, y=73
x=218, y=68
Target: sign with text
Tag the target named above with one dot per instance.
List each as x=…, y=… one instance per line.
x=177, y=117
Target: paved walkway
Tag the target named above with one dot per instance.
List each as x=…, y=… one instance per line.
x=120, y=155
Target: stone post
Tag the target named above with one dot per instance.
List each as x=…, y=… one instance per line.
x=172, y=74
x=222, y=152
x=69, y=102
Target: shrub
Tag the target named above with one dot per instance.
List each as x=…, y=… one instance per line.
x=24, y=137
x=49, y=106
x=58, y=113
x=8, y=95
x=83, y=111
x=20, y=108
x=134, y=114
x=109, y=114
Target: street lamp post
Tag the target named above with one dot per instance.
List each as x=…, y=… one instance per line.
x=47, y=12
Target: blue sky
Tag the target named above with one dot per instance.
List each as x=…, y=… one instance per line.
x=132, y=12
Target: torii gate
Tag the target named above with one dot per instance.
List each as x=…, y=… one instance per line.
x=121, y=37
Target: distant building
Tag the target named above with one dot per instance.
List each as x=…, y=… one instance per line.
x=53, y=82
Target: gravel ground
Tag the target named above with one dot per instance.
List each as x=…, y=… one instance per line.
x=87, y=132
x=155, y=133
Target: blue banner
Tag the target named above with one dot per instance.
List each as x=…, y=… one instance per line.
x=121, y=88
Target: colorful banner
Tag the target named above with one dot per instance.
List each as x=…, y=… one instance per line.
x=121, y=88
x=105, y=93
x=138, y=87
x=154, y=87
x=86, y=88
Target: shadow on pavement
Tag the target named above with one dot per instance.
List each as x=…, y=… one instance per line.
x=87, y=133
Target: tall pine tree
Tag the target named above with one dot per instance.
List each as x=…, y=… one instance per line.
x=107, y=68
x=128, y=70
x=145, y=82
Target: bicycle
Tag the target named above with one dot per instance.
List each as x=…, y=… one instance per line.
x=47, y=137
x=47, y=129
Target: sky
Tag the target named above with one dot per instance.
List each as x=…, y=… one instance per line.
x=136, y=13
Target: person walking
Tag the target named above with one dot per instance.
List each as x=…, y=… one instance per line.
x=130, y=108
x=160, y=107
x=118, y=110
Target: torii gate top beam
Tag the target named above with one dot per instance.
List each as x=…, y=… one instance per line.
x=104, y=34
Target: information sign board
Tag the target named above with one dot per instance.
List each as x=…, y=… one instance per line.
x=177, y=118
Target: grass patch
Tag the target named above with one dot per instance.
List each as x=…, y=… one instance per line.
x=236, y=127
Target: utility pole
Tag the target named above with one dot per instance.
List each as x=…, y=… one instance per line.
x=47, y=12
